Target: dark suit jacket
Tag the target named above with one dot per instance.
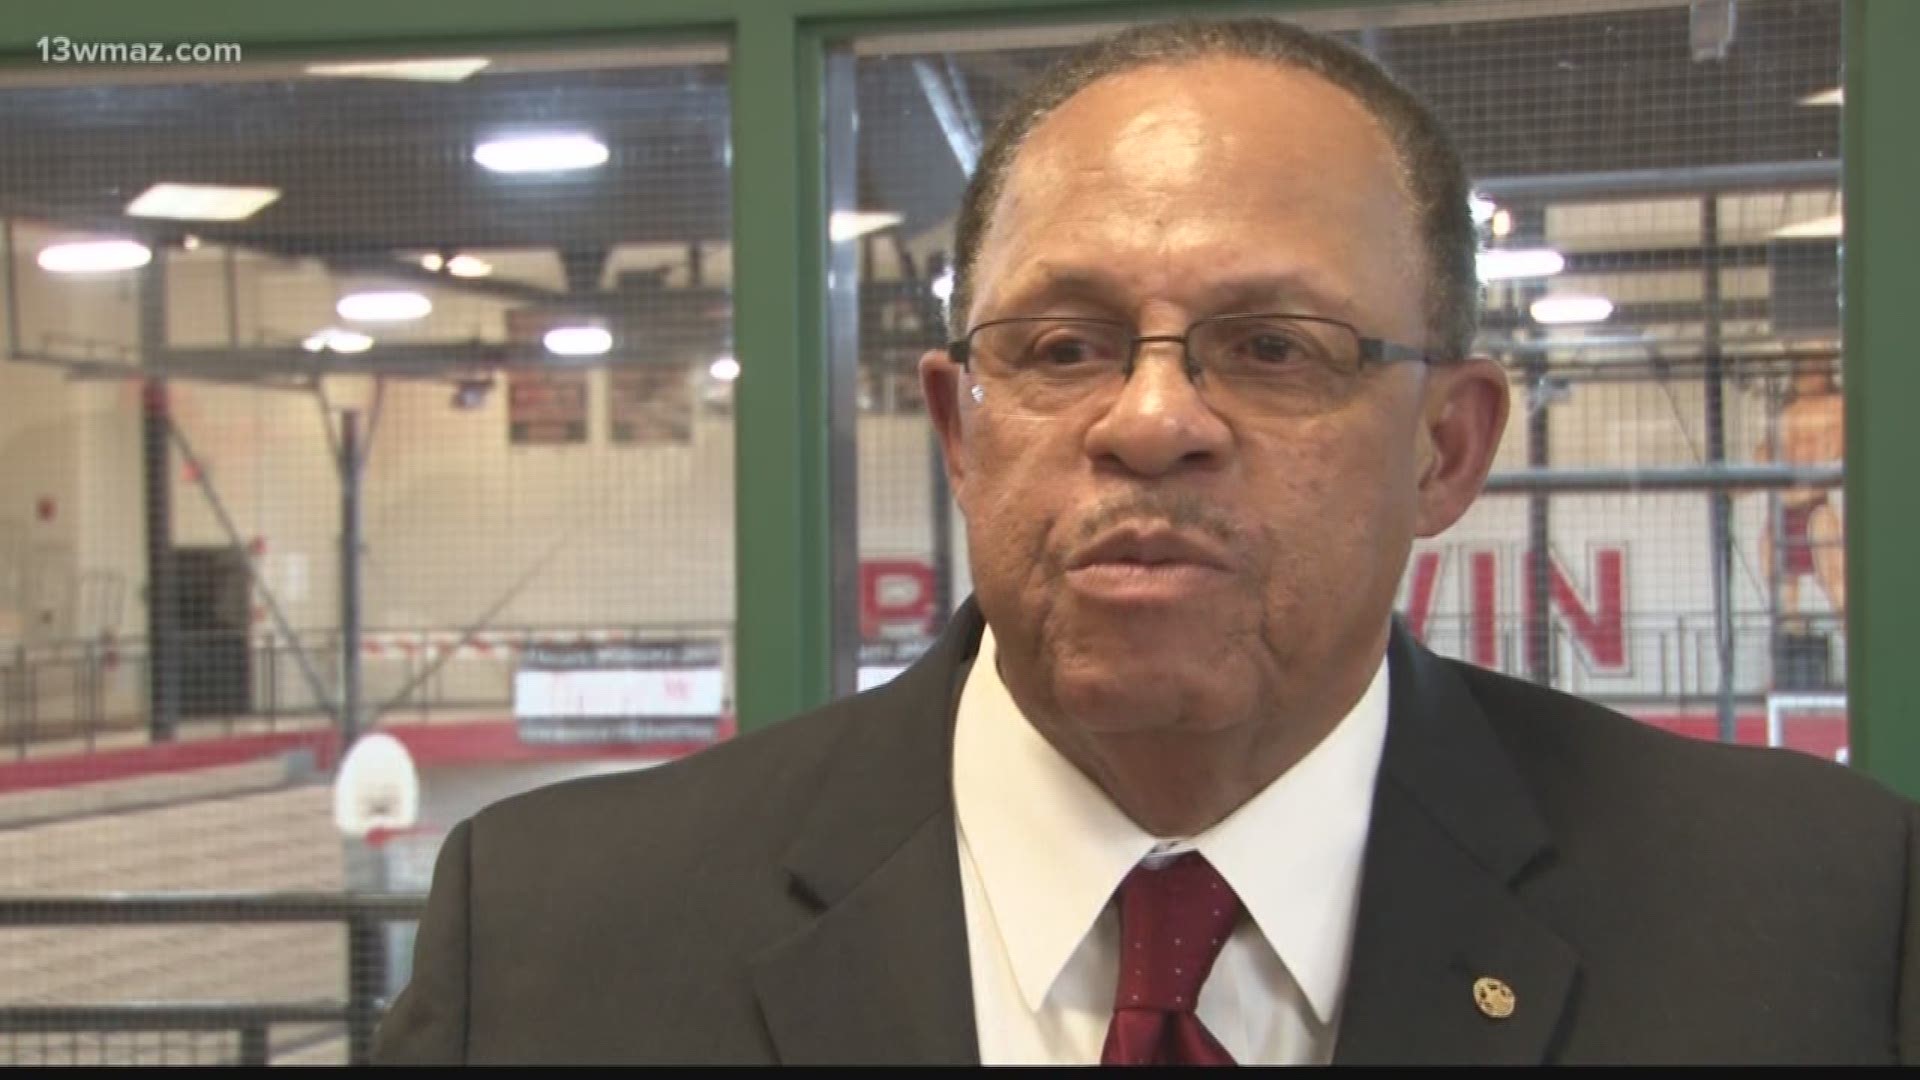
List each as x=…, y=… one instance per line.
x=794, y=896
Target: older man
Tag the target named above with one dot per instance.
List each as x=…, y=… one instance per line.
x=1173, y=788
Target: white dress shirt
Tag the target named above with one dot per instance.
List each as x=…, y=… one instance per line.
x=1042, y=850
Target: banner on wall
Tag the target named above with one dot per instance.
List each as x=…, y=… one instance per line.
x=546, y=408
x=665, y=693
x=897, y=617
x=650, y=404
x=880, y=661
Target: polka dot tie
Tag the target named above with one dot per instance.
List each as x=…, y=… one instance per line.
x=1173, y=921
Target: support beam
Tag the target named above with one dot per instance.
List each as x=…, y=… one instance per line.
x=1665, y=478
x=783, y=638
x=1719, y=501
x=841, y=103
x=351, y=453
x=1881, y=270
x=163, y=586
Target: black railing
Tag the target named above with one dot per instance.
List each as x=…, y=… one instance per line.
x=250, y=1023
x=88, y=689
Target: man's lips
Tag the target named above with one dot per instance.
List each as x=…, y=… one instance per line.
x=1131, y=545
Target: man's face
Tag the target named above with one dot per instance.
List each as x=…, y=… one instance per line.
x=1151, y=561
x=1814, y=384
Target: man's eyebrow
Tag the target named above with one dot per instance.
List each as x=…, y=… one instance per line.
x=1066, y=283
x=1291, y=291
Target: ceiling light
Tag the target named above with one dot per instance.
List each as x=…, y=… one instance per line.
x=334, y=339
x=432, y=262
x=1481, y=208
x=1826, y=227
x=190, y=242
x=541, y=153
x=94, y=256
x=384, y=306
x=1833, y=96
x=468, y=266
x=1506, y=264
x=578, y=340
x=725, y=369
x=849, y=224
x=201, y=202
x=943, y=285
x=1502, y=222
x=1558, y=310
x=449, y=69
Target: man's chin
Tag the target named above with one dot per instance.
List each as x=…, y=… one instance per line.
x=1135, y=690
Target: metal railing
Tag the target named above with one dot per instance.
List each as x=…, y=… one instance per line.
x=88, y=689
x=1669, y=659
x=249, y=1023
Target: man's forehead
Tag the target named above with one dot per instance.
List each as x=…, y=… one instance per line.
x=1220, y=144
x=1276, y=284
x=1251, y=101
x=1218, y=184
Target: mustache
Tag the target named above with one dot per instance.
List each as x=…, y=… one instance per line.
x=1183, y=510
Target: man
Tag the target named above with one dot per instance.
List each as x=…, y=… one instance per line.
x=1812, y=431
x=1172, y=788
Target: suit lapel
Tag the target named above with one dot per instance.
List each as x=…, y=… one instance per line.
x=880, y=973
x=1454, y=832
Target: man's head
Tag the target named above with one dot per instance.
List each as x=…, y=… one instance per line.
x=1171, y=174
x=1814, y=381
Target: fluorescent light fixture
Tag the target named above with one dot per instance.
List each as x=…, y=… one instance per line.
x=1833, y=96
x=725, y=369
x=1481, y=208
x=94, y=256
x=383, y=306
x=201, y=202
x=447, y=69
x=1568, y=308
x=943, y=285
x=1507, y=264
x=334, y=339
x=432, y=262
x=850, y=224
x=468, y=266
x=1816, y=228
x=578, y=340
x=541, y=153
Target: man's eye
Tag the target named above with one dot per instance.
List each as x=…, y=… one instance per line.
x=1059, y=350
x=1271, y=348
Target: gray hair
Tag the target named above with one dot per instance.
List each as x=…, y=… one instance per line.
x=1431, y=171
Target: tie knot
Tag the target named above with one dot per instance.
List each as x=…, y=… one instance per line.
x=1173, y=921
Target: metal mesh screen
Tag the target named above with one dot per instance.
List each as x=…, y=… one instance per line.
x=1658, y=192
x=432, y=438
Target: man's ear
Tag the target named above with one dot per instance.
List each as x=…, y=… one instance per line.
x=1463, y=417
x=940, y=380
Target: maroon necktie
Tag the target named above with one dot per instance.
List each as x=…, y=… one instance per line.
x=1173, y=921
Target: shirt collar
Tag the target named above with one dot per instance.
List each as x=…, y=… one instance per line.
x=1051, y=847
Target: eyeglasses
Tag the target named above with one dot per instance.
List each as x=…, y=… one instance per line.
x=1260, y=364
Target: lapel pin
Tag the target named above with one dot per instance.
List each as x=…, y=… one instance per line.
x=1494, y=997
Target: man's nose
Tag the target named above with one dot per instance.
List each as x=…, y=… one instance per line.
x=1161, y=421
